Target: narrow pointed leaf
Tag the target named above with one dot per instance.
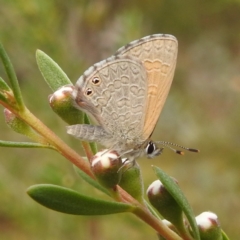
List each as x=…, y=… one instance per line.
x=52, y=73
x=12, y=77
x=24, y=145
x=91, y=181
x=4, y=86
x=224, y=236
x=3, y=89
x=178, y=195
x=3, y=98
x=68, y=201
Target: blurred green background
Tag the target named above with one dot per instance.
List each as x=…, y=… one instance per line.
x=202, y=110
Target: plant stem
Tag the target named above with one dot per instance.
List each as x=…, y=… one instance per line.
x=151, y=220
x=87, y=150
x=143, y=213
x=54, y=140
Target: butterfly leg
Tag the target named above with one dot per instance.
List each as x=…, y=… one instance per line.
x=127, y=163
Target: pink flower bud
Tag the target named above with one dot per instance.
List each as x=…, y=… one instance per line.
x=166, y=205
x=17, y=124
x=105, y=165
x=61, y=103
x=209, y=226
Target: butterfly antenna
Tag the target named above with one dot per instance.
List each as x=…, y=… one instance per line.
x=169, y=144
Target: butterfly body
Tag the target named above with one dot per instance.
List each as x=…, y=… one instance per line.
x=125, y=94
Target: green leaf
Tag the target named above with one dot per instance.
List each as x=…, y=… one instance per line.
x=224, y=236
x=4, y=86
x=3, y=98
x=12, y=77
x=91, y=181
x=24, y=145
x=178, y=195
x=52, y=73
x=68, y=201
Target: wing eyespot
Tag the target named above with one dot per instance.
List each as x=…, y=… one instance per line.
x=96, y=81
x=89, y=92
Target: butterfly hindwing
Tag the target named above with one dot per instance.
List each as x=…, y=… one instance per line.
x=158, y=53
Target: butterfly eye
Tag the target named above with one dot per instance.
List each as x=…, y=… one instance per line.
x=88, y=91
x=96, y=81
x=150, y=148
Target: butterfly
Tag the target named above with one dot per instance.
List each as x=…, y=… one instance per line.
x=125, y=94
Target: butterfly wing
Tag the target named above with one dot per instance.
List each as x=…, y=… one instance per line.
x=158, y=53
x=113, y=92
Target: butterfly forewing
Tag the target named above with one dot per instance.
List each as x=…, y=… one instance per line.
x=158, y=53
x=115, y=92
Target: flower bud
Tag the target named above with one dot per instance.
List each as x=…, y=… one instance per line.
x=105, y=166
x=131, y=180
x=19, y=126
x=209, y=227
x=166, y=205
x=7, y=95
x=61, y=103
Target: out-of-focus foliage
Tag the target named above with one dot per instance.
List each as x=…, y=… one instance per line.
x=202, y=110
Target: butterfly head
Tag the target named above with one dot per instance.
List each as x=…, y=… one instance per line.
x=152, y=150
